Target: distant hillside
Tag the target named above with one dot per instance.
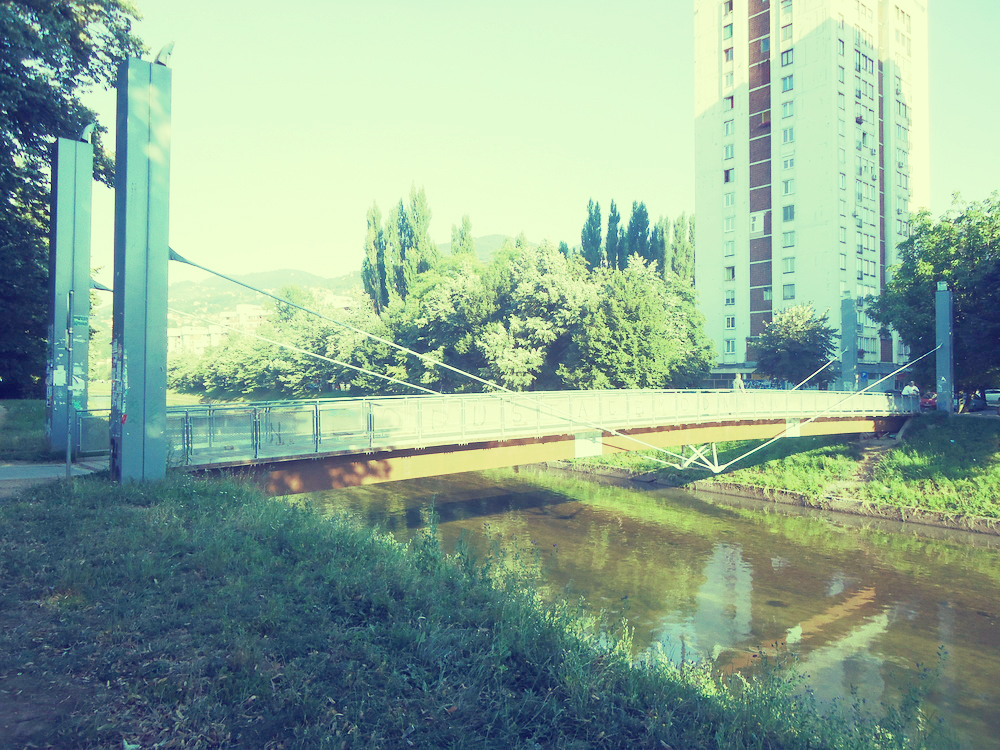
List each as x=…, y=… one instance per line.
x=215, y=295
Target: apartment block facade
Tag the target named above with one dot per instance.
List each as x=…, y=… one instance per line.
x=811, y=145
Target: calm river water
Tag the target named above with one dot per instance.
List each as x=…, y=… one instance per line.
x=860, y=603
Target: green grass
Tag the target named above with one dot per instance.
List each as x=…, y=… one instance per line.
x=949, y=464
x=808, y=464
x=201, y=614
x=22, y=432
x=945, y=464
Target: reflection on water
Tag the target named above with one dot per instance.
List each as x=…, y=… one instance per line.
x=859, y=604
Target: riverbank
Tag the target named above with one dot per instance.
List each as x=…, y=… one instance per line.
x=942, y=471
x=201, y=614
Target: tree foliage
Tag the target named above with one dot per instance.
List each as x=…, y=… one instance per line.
x=795, y=344
x=50, y=52
x=962, y=249
x=462, y=242
x=590, y=236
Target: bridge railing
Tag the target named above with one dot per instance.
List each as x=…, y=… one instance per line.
x=214, y=434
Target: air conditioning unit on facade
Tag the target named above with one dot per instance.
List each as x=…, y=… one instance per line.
x=902, y=165
x=874, y=152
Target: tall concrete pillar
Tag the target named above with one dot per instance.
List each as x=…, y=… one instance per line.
x=69, y=290
x=945, y=359
x=849, y=342
x=139, y=333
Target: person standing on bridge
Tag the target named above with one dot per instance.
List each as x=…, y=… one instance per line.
x=738, y=382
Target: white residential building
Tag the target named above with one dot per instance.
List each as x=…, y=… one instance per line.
x=811, y=151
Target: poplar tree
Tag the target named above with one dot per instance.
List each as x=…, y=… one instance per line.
x=373, y=269
x=462, y=242
x=637, y=234
x=590, y=236
x=659, y=237
x=681, y=251
x=611, y=243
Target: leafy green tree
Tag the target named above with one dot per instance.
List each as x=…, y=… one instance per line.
x=682, y=250
x=795, y=344
x=50, y=52
x=424, y=253
x=564, y=249
x=962, y=249
x=637, y=235
x=637, y=331
x=462, y=242
x=611, y=241
x=590, y=236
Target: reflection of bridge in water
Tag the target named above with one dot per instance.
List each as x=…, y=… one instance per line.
x=303, y=446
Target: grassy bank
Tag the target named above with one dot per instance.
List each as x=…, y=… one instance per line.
x=949, y=464
x=201, y=615
x=22, y=432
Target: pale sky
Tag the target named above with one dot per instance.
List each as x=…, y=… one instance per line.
x=290, y=119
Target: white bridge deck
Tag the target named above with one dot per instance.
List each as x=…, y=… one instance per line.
x=219, y=435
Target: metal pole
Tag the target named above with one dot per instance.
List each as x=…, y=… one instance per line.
x=945, y=359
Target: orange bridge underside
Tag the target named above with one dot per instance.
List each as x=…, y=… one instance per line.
x=330, y=471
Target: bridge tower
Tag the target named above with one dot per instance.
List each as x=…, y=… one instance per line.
x=69, y=289
x=139, y=312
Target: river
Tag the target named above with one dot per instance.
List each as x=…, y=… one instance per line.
x=862, y=605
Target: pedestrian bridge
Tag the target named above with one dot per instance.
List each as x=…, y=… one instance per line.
x=305, y=446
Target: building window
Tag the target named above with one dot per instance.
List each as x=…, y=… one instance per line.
x=788, y=239
x=842, y=156
x=729, y=223
x=788, y=135
x=729, y=199
x=843, y=207
x=843, y=260
x=730, y=321
x=843, y=234
x=728, y=102
x=729, y=54
x=730, y=248
x=728, y=151
x=730, y=296
x=765, y=45
x=786, y=32
x=729, y=273
x=730, y=346
x=728, y=127
x=788, y=162
x=788, y=213
x=786, y=7
x=729, y=80
x=727, y=31
x=786, y=57
x=787, y=84
x=843, y=181
x=788, y=291
x=727, y=7
x=728, y=175
x=788, y=265
x=841, y=100
x=787, y=109
x=766, y=293
x=840, y=47
x=787, y=187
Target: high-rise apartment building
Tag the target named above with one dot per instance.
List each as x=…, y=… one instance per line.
x=811, y=151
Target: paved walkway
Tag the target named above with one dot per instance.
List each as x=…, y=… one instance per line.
x=19, y=475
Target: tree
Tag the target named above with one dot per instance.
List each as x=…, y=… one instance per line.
x=962, y=250
x=638, y=233
x=462, y=242
x=682, y=250
x=373, y=269
x=51, y=51
x=659, y=236
x=590, y=236
x=636, y=331
x=611, y=243
x=795, y=344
